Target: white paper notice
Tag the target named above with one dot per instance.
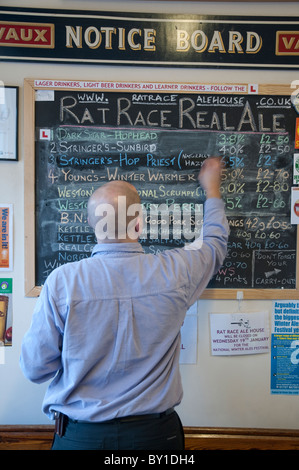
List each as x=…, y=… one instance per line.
x=8, y=133
x=295, y=206
x=239, y=333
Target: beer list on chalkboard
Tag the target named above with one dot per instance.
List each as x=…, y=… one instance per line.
x=157, y=141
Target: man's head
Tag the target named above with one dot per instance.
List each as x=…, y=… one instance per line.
x=115, y=212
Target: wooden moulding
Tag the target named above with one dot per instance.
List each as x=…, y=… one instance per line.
x=196, y=438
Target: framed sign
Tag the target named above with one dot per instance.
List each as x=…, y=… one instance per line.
x=81, y=134
x=149, y=39
x=9, y=123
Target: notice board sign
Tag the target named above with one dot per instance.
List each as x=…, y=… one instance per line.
x=148, y=39
x=81, y=134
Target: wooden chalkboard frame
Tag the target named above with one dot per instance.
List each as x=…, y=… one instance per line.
x=31, y=289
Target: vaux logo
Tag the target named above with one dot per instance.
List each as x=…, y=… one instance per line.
x=287, y=43
x=27, y=34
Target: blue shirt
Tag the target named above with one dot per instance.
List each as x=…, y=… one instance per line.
x=106, y=329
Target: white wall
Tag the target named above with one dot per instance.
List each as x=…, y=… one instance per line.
x=219, y=391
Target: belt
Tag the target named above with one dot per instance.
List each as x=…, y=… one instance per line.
x=61, y=420
x=126, y=419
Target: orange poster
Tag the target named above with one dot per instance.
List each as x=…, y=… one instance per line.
x=6, y=237
x=297, y=134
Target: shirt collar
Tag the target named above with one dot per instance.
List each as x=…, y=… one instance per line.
x=103, y=248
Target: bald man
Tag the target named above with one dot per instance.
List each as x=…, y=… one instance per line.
x=106, y=329
x=112, y=213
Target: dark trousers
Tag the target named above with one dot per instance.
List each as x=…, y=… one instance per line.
x=164, y=433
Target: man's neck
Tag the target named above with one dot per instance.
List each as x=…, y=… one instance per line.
x=117, y=240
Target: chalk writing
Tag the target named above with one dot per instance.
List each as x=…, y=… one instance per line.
x=158, y=141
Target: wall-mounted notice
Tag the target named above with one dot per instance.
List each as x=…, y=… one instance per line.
x=239, y=333
x=5, y=312
x=6, y=247
x=296, y=169
x=285, y=348
x=5, y=316
x=8, y=122
x=295, y=206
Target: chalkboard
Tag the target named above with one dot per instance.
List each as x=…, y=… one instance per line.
x=156, y=136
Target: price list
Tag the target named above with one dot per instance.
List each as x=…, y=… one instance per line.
x=256, y=187
x=158, y=143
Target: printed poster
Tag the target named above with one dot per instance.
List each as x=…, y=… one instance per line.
x=6, y=218
x=239, y=333
x=296, y=169
x=285, y=347
x=5, y=316
x=295, y=206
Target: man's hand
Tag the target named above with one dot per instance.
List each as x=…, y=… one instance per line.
x=210, y=177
